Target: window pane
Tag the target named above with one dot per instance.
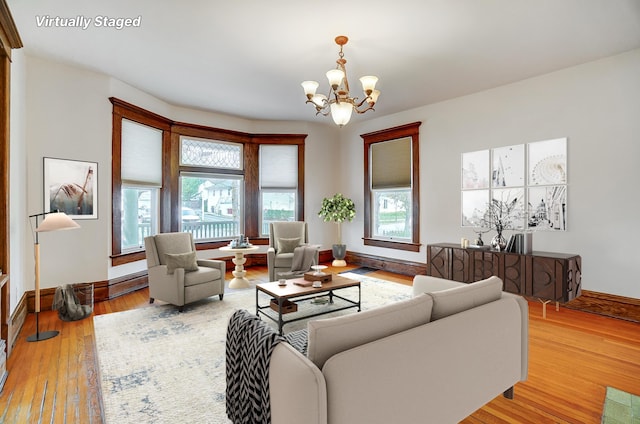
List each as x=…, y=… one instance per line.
x=211, y=206
x=392, y=214
x=139, y=212
x=210, y=154
x=277, y=206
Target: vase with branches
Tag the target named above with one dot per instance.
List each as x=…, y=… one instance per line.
x=501, y=215
x=338, y=209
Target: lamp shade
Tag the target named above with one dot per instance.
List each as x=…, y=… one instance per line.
x=341, y=113
x=57, y=221
x=309, y=87
x=335, y=77
x=368, y=83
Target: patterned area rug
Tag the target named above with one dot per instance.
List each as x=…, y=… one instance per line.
x=161, y=366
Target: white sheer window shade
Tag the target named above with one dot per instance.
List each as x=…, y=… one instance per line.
x=278, y=166
x=141, y=155
x=391, y=164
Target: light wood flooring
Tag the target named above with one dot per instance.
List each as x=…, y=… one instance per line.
x=573, y=357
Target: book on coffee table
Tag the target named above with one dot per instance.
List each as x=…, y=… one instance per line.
x=302, y=282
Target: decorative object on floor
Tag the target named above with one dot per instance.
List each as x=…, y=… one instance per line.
x=53, y=221
x=620, y=407
x=338, y=102
x=338, y=209
x=69, y=305
x=71, y=186
x=184, y=353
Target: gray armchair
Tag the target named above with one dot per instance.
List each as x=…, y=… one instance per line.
x=284, y=237
x=176, y=276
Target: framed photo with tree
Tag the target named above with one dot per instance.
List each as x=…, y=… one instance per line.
x=71, y=186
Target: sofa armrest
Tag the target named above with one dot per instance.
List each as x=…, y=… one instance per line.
x=297, y=388
x=443, y=370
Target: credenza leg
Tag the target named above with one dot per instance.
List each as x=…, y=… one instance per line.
x=544, y=307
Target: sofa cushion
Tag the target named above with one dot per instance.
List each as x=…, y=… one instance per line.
x=288, y=245
x=451, y=301
x=334, y=335
x=188, y=261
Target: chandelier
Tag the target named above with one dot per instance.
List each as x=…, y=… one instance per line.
x=338, y=102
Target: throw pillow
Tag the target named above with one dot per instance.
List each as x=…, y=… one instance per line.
x=188, y=261
x=288, y=245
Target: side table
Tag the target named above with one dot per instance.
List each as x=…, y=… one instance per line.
x=239, y=281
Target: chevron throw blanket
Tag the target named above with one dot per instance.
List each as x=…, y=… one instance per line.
x=249, y=345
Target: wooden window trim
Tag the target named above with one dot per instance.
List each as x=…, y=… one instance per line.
x=169, y=198
x=408, y=130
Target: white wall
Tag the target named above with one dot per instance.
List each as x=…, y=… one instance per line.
x=65, y=113
x=595, y=105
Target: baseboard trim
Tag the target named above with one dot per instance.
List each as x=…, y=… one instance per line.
x=397, y=266
x=610, y=305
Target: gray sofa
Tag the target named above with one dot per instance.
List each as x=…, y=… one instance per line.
x=434, y=358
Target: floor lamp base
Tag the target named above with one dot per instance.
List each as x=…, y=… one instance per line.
x=42, y=336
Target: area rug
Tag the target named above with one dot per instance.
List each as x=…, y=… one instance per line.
x=158, y=365
x=620, y=407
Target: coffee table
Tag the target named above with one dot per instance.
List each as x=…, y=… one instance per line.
x=296, y=293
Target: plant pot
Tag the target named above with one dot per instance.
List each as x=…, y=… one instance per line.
x=339, y=252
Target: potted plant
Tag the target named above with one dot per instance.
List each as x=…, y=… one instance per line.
x=338, y=209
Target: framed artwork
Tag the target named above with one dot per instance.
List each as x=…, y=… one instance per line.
x=475, y=170
x=507, y=166
x=548, y=162
x=71, y=186
x=474, y=206
x=547, y=209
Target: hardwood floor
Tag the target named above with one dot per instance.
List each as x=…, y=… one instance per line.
x=573, y=356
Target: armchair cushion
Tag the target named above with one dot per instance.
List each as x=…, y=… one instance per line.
x=201, y=275
x=288, y=245
x=188, y=261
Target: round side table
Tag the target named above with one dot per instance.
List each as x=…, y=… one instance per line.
x=239, y=281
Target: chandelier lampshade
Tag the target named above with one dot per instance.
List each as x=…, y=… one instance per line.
x=339, y=103
x=341, y=113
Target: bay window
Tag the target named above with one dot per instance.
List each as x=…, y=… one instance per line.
x=214, y=183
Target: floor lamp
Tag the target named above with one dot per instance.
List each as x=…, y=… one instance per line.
x=53, y=221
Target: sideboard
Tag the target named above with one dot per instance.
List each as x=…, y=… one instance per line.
x=543, y=275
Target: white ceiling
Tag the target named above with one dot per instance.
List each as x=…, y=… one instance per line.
x=248, y=57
